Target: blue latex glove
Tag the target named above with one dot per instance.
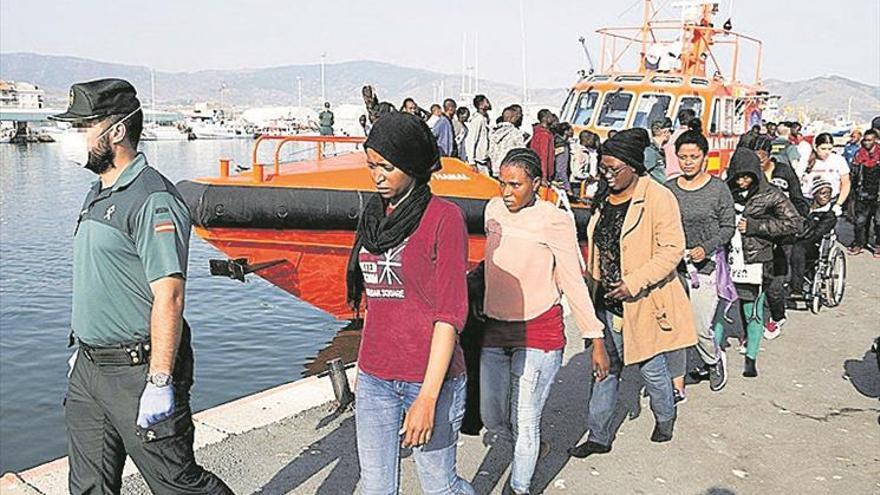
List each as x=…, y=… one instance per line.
x=157, y=403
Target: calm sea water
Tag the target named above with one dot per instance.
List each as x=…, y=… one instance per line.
x=247, y=337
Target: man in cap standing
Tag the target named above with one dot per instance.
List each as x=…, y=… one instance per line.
x=129, y=380
x=326, y=120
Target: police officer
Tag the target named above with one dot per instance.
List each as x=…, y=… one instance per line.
x=130, y=376
x=326, y=121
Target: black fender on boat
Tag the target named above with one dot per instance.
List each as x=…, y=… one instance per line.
x=284, y=208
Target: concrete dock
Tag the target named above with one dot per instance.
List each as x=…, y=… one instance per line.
x=809, y=424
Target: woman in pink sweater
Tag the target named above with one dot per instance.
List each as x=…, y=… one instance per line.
x=532, y=259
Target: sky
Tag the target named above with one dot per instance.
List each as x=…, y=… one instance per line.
x=802, y=39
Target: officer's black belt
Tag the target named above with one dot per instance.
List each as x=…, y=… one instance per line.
x=129, y=354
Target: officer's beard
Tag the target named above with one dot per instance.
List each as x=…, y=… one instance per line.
x=101, y=158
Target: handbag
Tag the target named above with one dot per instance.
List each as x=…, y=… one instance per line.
x=740, y=271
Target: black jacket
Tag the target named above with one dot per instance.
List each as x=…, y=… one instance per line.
x=770, y=216
x=786, y=180
x=817, y=224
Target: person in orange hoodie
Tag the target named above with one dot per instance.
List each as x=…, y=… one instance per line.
x=542, y=143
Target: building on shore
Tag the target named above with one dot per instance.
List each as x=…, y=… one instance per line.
x=20, y=94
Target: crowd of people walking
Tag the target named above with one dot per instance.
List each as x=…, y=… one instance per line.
x=664, y=234
x=676, y=259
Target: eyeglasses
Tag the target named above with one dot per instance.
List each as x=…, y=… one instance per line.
x=613, y=172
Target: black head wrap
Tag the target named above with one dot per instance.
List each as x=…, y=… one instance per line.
x=629, y=147
x=406, y=142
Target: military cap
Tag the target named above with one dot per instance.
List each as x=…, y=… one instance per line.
x=98, y=99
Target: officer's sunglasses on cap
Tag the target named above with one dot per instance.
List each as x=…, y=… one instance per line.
x=86, y=124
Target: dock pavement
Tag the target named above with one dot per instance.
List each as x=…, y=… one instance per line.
x=809, y=424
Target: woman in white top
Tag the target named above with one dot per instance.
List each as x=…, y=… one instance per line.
x=823, y=162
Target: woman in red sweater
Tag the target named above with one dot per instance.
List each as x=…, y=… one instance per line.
x=409, y=259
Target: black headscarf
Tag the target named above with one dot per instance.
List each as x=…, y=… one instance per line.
x=407, y=143
x=629, y=147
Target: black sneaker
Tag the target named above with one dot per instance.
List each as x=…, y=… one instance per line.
x=698, y=374
x=718, y=373
x=750, y=370
x=588, y=448
x=679, y=397
x=663, y=431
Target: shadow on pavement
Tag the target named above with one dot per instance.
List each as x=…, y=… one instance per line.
x=864, y=374
x=337, y=446
x=563, y=425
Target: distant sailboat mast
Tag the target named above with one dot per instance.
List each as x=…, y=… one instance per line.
x=522, y=31
x=463, y=64
x=476, y=62
x=153, y=93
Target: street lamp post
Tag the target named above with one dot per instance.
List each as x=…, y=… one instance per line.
x=323, y=93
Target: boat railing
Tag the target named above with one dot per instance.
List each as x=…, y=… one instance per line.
x=616, y=43
x=257, y=168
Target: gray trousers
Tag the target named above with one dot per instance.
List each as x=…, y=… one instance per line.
x=704, y=302
x=101, y=409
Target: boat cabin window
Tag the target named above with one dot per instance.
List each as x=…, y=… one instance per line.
x=651, y=107
x=615, y=108
x=697, y=81
x=567, y=109
x=695, y=103
x=586, y=106
x=739, y=122
x=629, y=79
x=670, y=80
x=715, y=121
x=725, y=119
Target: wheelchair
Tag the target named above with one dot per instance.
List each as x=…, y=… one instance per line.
x=826, y=279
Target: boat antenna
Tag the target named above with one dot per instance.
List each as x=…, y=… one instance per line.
x=583, y=43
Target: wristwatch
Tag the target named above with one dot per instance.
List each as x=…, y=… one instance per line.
x=159, y=379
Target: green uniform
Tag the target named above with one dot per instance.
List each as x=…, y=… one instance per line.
x=127, y=236
x=655, y=163
x=781, y=149
x=325, y=123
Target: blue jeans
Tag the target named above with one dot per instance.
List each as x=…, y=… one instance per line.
x=514, y=385
x=380, y=408
x=603, y=400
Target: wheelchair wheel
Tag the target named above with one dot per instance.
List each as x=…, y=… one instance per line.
x=835, y=278
x=816, y=289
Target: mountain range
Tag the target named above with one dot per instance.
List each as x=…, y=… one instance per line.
x=819, y=97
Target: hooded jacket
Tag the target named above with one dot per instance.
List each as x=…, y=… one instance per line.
x=770, y=216
x=503, y=138
x=818, y=224
x=786, y=180
x=542, y=144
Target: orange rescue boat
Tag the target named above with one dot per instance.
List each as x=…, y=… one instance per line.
x=293, y=224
